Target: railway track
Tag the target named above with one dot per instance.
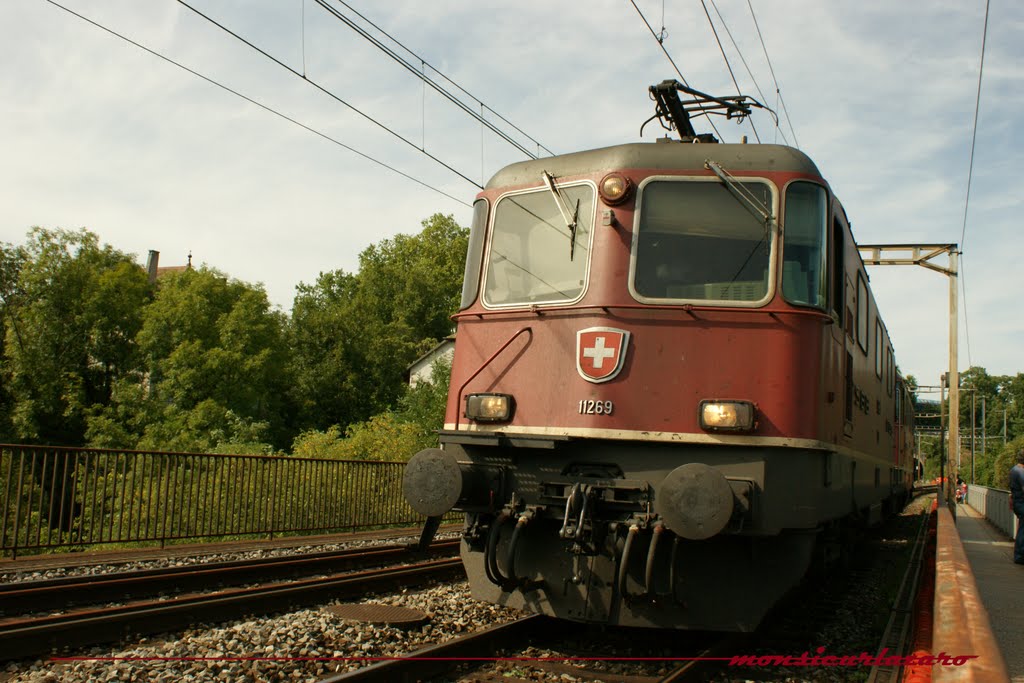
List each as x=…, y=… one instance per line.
x=62, y=593
x=538, y=648
x=865, y=609
x=36, y=635
x=502, y=654
x=450, y=660
x=899, y=631
x=92, y=558
x=532, y=650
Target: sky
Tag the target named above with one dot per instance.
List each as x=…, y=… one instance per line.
x=98, y=133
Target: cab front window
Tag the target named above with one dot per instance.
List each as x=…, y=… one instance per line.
x=534, y=256
x=698, y=241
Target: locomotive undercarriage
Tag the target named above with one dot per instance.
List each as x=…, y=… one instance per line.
x=565, y=530
x=638, y=575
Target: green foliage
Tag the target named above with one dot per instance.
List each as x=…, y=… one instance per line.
x=394, y=435
x=991, y=403
x=208, y=427
x=71, y=313
x=130, y=497
x=91, y=352
x=319, y=444
x=424, y=404
x=383, y=437
x=1000, y=394
x=326, y=356
x=215, y=372
x=11, y=259
x=1005, y=459
x=992, y=467
x=994, y=406
x=354, y=335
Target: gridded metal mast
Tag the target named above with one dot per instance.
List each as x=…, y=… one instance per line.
x=923, y=255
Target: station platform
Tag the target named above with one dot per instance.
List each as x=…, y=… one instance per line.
x=1000, y=584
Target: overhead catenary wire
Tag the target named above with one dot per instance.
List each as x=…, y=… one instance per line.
x=671, y=61
x=332, y=95
x=725, y=57
x=974, y=134
x=778, y=91
x=422, y=75
x=302, y=5
x=970, y=175
x=662, y=34
x=257, y=103
x=967, y=328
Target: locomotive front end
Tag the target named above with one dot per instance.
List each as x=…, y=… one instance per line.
x=644, y=387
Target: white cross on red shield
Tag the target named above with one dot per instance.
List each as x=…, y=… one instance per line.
x=600, y=352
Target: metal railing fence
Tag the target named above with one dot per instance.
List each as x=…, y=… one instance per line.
x=54, y=497
x=995, y=505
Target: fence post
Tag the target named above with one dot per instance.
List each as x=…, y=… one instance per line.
x=273, y=498
x=166, y=502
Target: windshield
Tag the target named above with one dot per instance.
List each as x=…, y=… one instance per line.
x=696, y=241
x=533, y=257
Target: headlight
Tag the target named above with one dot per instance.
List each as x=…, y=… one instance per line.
x=489, y=407
x=727, y=415
x=615, y=188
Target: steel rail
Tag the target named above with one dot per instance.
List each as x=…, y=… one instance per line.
x=697, y=669
x=682, y=669
x=899, y=629
x=436, y=660
x=481, y=647
x=63, y=592
x=34, y=636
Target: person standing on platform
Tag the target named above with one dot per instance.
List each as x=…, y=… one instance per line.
x=1017, y=505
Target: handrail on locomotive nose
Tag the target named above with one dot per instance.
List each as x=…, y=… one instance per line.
x=458, y=406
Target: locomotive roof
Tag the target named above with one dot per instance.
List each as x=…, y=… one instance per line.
x=669, y=156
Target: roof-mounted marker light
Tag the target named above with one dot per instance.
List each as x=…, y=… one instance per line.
x=615, y=188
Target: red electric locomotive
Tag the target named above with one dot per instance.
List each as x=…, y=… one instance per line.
x=671, y=383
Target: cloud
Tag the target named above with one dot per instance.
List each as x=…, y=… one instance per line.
x=97, y=133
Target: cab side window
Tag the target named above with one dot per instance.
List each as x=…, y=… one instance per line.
x=838, y=271
x=804, y=253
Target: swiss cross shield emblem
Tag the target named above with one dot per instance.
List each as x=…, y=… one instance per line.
x=600, y=352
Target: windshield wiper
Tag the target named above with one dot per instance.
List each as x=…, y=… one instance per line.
x=570, y=222
x=745, y=196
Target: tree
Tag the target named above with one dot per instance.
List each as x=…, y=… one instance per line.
x=988, y=402
x=324, y=338
x=215, y=363
x=355, y=334
x=392, y=435
x=11, y=259
x=71, y=316
x=424, y=405
x=1011, y=395
x=1003, y=461
x=416, y=280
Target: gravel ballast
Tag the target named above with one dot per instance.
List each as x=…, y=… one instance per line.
x=300, y=646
